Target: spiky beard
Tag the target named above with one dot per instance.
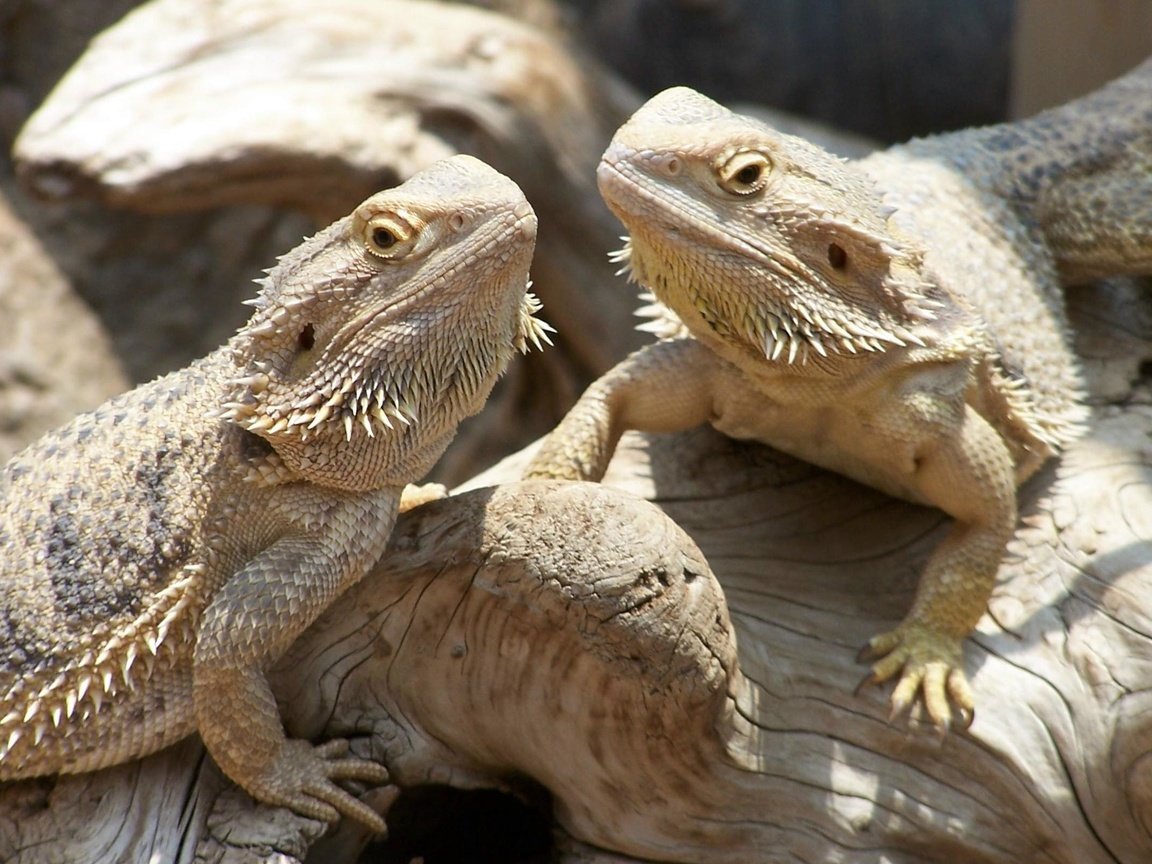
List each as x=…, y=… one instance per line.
x=776, y=321
x=363, y=391
x=530, y=330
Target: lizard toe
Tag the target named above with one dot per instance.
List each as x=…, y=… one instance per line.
x=904, y=694
x=928, y=668
x=415, y=495
x=303, y=776
x=887, y=662
x=932, y=687
x=352, y=768
x=327, y=796
x=961, y=696
x=306, y=804
x=879, y=646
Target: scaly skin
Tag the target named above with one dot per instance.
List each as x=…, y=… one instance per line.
x=897, y=319
x=162, y=551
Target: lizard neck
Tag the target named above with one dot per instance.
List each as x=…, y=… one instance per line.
x=387, y=427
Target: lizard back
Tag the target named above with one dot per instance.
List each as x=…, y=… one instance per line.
x=1011, y=213
x=103, y=553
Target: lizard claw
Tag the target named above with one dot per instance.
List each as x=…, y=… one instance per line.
x=417, y=495
x=931, y=675
x=302, y=778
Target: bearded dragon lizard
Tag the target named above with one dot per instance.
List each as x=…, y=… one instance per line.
x=160, y=552
x=897, y=319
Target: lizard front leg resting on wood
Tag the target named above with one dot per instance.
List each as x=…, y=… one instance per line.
x=897, y=319
x=158, y=554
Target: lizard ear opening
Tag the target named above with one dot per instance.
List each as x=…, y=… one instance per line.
x=306, y=338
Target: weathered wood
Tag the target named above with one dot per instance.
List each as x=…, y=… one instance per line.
x=1053, y=768
x=167, y=288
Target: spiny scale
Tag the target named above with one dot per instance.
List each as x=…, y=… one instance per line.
x=364, y=399
x=85, y=685
x=531, y=329
x=804, y=329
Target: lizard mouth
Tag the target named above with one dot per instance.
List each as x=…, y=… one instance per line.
x=640, y=199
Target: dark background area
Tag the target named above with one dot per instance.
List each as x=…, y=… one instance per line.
x=888, y=69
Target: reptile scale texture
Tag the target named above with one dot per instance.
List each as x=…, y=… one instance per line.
x=160, y=552
x=898, y=319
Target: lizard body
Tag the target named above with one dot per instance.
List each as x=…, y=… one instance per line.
x=160, y=552
x=897, y=319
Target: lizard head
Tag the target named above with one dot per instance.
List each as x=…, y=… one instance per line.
x=759, y=239
x=373, y=339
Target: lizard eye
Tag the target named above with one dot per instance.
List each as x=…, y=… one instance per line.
x=382, y=238
x=388, y=236
x=744, y=173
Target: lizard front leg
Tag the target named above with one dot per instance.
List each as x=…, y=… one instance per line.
x=249, y=623
x=663, y=387
x=967, y=471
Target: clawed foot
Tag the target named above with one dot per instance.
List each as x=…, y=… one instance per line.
x=302, y=780
x=930, y=667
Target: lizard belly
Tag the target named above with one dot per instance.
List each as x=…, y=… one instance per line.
x=853, y=441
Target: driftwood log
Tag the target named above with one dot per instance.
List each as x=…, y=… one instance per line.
x=569, y=644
